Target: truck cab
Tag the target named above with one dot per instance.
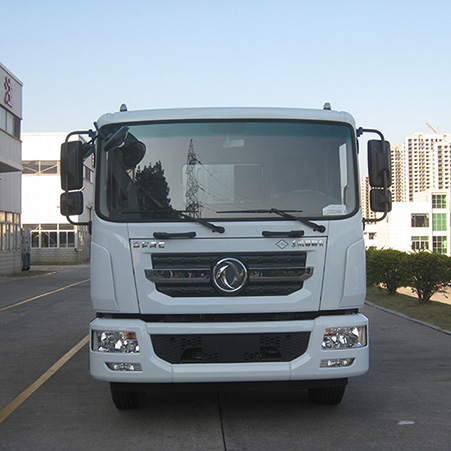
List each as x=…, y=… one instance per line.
x=227, y=248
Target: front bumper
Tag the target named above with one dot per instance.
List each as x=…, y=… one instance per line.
x=153, y=369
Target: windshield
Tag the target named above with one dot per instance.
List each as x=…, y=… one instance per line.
x=227, y=170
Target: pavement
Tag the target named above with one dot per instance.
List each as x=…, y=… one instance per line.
x=402, y=403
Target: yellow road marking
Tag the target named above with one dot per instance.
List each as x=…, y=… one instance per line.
x=16, y=402
x=42, y=295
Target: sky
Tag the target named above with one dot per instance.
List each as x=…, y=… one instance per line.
x=386, y=62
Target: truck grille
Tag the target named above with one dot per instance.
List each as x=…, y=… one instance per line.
x=190, y=275
x=230, y=348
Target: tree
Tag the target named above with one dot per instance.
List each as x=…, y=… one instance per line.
x=153, y=189
x=387, y=267
x=429, y=274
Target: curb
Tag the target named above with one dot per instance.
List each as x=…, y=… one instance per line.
x=401, y=315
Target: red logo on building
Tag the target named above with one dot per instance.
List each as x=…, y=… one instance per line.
x=8, y=92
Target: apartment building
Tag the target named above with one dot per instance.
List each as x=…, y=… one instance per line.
x=365, y=189
x=53, y=239
x=427, y=162
x=10, y=171
x=399, y=173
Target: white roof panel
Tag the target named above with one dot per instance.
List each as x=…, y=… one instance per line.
x=225, y=113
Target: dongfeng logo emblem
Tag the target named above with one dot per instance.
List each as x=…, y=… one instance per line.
x=229, y=275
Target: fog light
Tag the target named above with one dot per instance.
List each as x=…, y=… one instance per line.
x=334, y=363
x=123, y=366
x=111, y=341
x=344, y=337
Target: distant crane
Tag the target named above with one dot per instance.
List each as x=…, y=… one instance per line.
x=433, y=129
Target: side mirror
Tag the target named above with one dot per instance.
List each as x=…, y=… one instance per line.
x=72, y=154
x=379, y=163
x=71, y=203
x=133, y=152
x=380, y=200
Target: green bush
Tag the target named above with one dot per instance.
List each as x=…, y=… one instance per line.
x=387, y=267
x=429, y=274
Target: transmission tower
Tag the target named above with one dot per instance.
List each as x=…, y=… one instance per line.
x=193, y=206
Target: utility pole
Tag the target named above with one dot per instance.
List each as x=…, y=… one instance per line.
x=193, y=206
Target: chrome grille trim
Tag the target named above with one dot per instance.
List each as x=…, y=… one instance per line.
x=178, y=276
x=190, y=275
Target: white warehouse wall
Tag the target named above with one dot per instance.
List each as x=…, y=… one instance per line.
x=41, y=200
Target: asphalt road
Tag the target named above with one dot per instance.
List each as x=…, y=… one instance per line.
x=403, y=403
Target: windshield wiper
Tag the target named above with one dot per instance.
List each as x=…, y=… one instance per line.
x=285, y=214
x=213, y=227
x=182, y=214
x=210, y=225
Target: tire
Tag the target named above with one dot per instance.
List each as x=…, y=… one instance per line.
x=327, y=396
x=124, y=399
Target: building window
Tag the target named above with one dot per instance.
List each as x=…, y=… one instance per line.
x=439, y=201
x=420, y=220
x=439, y=244
x=44, y=167
x=420, y=243
x=439, y=222
x=88, y=174
x=51, y=235
x=9, y=231
x=9, y=123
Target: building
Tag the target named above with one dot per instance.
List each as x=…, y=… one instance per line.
x=365, y=189
x=421, y=175
x=53, y=239
x=399, y=174
x=418, y=225
x=427, y=162
x=10, y=171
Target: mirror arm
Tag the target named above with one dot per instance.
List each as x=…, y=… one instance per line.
x=361, y=130
x=92, y=134
x=369, y=221
x=88, y=223
x=89, y=145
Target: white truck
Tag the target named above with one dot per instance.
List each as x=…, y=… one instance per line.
x=227, y=248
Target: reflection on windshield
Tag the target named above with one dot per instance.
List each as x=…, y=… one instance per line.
x=152, y=189
x=204, y=169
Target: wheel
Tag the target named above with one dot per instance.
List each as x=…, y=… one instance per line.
x=327, y=396
x=125, y=399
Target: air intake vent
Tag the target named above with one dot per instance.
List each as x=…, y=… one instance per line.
x=230, y=348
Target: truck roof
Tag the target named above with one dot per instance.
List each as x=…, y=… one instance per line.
x=224, y=113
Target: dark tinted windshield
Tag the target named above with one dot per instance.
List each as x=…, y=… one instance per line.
x=206, y=169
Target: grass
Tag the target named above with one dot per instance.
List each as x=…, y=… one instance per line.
x=436, y=313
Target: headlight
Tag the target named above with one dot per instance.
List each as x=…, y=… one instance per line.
x=110, y=341
x=344, y=337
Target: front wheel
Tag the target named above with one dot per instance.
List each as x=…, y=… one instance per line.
x=126, y=399
x=326, y=396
